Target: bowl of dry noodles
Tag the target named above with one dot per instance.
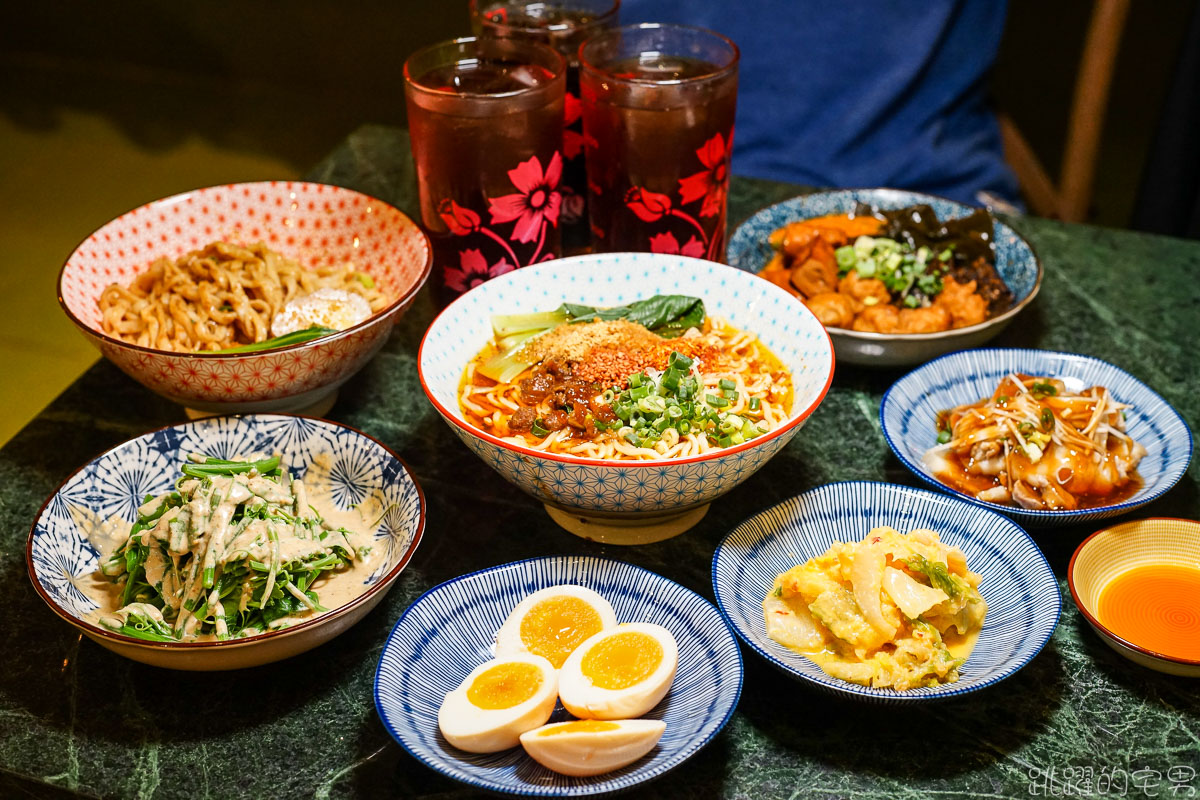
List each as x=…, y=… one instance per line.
x=626, y=391
x=246, y=297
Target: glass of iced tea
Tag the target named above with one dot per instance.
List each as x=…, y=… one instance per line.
x=486, y=121
x=658, y=109
x=564, y=25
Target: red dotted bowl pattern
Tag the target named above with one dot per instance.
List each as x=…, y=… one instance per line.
x=313, y=223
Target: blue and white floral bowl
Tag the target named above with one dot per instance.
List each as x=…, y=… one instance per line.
x=61, y=559
x=1017, y=583
x=450, y=630
x=626, y=502
x=908, y=416
x=1016, y=262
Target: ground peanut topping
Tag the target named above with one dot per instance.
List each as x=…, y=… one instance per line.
x=608, y=352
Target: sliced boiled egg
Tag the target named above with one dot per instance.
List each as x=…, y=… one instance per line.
x=325, y=308
x=553, y=622
x=619, y=673
x=498, y=702
x=591, y=746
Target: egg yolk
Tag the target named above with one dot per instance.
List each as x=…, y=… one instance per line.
x=622, y=660
x=554, y=627
x=504, y=686
x=581, y=726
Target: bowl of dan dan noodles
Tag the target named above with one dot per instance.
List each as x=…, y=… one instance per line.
x=247, y=297
x=626, y=391
x=227, y=542
x=897, y=277
x=886, y=593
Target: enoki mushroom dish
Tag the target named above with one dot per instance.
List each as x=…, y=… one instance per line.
x=1036, y=444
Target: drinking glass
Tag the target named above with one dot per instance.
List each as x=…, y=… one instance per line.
x=658, y=109
x=564, y=25
x=485, y=117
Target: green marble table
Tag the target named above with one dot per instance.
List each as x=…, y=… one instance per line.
x=1079, y=720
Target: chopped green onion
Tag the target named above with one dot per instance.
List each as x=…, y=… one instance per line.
x=755, y=404
x=725, y=383
x=652, y=405
x=714, y=400
x=539, y=429
x=943, y=436
x=1040, y=389
x=679, y=361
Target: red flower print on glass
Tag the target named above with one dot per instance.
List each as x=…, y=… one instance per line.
x=536, y=201
x=711, y=183
x=473, y=270
x=648, y=206
x=572, y=136
x=459, y=220
x=533, y=208
x=667, y=243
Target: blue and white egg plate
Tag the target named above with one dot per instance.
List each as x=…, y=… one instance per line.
x=909, y=411
x=1017, y=583
x=61, y=559
x=1016, y=262
x=450, y=629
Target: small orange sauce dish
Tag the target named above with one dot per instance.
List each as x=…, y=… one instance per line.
x=1138, y=586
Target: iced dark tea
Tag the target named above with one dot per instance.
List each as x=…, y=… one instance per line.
x=564, y=25
x=485, y=118
x=658, y=112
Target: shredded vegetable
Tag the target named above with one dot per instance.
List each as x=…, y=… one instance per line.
x=233, y=551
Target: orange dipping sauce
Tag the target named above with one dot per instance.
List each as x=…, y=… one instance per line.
x=1156, y=607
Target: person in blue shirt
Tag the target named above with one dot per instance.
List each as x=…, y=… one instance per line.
x=860, y=94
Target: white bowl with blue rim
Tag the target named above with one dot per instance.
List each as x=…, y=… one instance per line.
x=908, y=416
x=1016, y=262
x=1019, y=587
x=450, y=630
x=61, y=559
x=626, y=502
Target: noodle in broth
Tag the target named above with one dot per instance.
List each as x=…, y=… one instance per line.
x=742, y=391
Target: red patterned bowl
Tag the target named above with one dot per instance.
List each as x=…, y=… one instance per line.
x=313, y=223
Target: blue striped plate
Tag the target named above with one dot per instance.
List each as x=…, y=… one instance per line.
x=449, y=631
x=909, y=410
x=1020, y=589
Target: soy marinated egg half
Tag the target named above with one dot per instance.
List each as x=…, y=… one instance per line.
x=619, y=673
x=553, y=622
x=498, y=702
x=591, y=747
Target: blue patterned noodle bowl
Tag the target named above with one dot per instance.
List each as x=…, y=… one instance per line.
x=1016, y=262
x=908, y=416
x=625, y=490
x=1018, y=585
x=60, y=556
x=449, y=631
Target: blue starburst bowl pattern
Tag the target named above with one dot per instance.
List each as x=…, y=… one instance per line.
x=908, y=416
x=352, y=465
x=626, y=488
x=1018, y=585
x=1016, y=262
x=449, y=631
